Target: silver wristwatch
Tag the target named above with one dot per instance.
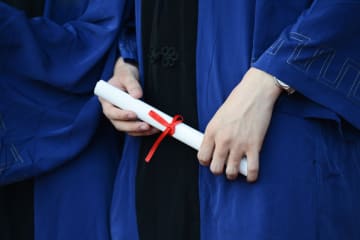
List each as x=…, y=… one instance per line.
x=289, y=90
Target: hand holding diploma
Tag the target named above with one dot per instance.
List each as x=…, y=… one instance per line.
x=182, y=132
x=126, y=78
x=236, y=130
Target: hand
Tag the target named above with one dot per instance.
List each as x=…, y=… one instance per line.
x=238, y=128
x=126, y=78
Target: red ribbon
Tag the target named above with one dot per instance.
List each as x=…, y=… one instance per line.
x=169, y=130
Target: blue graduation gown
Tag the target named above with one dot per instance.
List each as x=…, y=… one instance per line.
x=50, y=123
x=307, y=188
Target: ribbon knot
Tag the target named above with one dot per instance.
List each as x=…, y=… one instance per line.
x=169, y=130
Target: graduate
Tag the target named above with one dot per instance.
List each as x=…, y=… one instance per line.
x=58, y=156
x=276, y=81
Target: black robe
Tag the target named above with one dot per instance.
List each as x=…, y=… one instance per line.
x=167, y=187
x=32, y=8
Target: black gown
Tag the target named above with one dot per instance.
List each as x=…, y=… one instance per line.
x=167, y=188
x=32, y=8
x=16, y=200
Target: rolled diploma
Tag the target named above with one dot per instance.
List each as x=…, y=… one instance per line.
x=183, y=132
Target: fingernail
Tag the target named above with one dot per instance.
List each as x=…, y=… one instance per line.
x=144, y=127
x=216, y=168
x=204, y=163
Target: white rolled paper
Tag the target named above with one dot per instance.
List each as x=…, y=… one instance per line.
x=183, y=132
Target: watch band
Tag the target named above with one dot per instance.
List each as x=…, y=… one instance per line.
x=289, y=90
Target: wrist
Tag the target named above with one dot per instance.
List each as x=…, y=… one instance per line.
x=268, y=88
x=259, y=84
x=274, y=83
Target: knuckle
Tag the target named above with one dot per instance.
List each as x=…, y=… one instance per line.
x=120, y=115
x=255, y=143
x=210, y=131
x=129, y=80
x=240, y=146
x=224, y=141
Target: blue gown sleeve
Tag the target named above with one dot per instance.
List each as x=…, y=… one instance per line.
x=48, y=68
x=127, y=41
x=319, y=56
x=69, y=39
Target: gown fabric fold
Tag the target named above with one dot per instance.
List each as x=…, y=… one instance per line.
x=309, y=162
x=51, y=125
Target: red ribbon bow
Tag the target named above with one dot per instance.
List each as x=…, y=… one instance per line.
x=169, y=130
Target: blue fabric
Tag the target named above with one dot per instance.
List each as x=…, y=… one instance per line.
x=123, y=223
x=310, y=161
x=320, y=52
x=127, y=41
x=51, y=126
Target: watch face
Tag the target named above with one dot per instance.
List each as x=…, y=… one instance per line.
x=284, y=86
